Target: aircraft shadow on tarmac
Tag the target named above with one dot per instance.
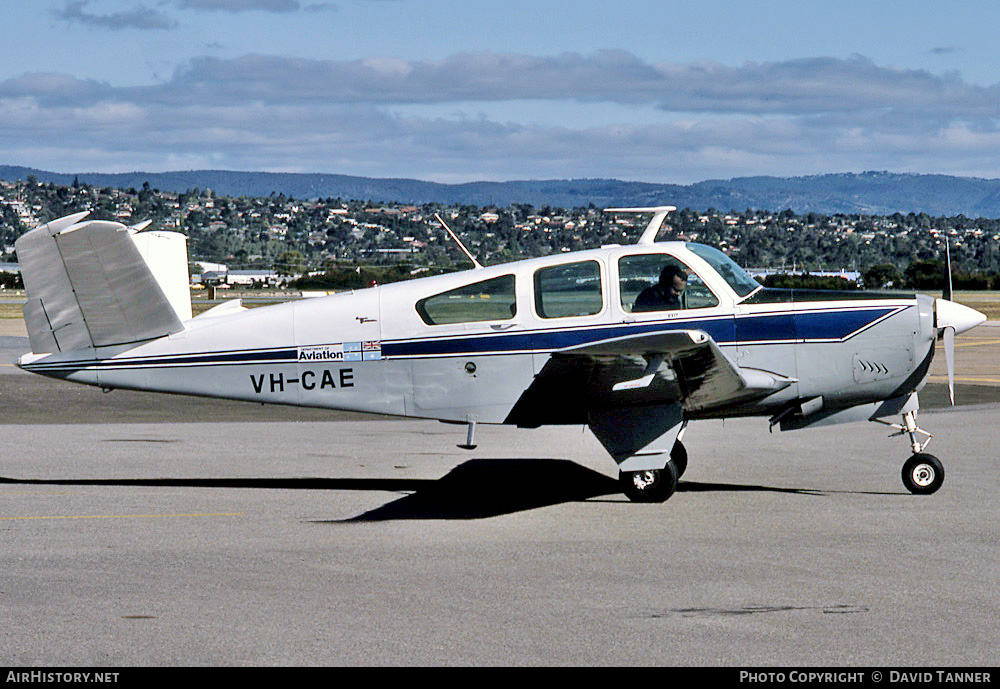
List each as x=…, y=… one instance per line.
x=476, y=489
x=482, y=488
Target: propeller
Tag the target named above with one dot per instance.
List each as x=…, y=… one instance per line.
x=952, y=318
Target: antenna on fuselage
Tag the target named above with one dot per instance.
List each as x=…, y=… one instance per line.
x=946, y=291
x=652, y=229
x=458, y=241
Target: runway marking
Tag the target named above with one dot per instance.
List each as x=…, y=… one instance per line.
x=965, y=379
x=972, y=344
x=124, y=516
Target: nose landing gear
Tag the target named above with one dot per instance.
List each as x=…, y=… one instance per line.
x=922, y=473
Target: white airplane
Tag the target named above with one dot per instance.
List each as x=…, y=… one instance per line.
x=633, y=341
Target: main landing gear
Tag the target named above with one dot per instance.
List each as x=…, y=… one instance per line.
x=655, y=485
x=922, y=473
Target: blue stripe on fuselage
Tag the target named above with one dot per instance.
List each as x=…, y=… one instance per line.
x=824, y=325
x=817, y=325
x=720, y=329
x=806, y=326
x=169, y=360
x=836, y=325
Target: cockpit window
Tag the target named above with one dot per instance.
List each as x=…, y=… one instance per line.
x=738, y=279
x=489, y=300
x=660, y=282
x=571, y=289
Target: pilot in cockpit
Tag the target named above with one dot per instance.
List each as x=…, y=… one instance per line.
x=666, y=294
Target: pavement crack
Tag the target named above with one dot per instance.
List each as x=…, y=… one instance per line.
x=839, y=609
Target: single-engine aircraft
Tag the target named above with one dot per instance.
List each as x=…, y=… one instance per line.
x=592, y=337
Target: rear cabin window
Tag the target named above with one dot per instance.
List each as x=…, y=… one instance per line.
x=489, y=300
x=641, y=290
x=573, y=289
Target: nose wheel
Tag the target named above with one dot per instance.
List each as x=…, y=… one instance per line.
x=923, y=474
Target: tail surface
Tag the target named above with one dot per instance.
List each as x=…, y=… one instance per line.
x=98, y=283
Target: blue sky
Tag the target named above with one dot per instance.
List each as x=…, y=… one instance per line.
x=459, y=91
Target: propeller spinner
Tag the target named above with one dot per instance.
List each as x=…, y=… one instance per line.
x=950, y=319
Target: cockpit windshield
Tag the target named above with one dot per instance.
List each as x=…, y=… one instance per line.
x=738, y=279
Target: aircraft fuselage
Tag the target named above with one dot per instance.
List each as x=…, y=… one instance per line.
x=372, y=350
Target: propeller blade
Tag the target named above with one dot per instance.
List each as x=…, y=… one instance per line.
x=949, y=360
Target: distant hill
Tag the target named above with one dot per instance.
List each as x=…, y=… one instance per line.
x=867, y=192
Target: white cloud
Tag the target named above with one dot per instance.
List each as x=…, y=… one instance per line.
x=268, y=112
x=146, y=18
x=814, y=87
x=240, y=5
x=794, y=87
x=139, y=17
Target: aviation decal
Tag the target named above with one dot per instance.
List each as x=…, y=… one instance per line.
x=348, y=351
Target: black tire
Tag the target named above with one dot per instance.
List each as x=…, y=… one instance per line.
x=654, y=485
x=923, y=474
x=679, y=456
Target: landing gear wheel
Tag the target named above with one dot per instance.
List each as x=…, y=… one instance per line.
x=923, y=474
x=679, y=457
x=652, y=485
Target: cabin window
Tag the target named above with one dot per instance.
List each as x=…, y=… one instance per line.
x=489, y=300
x=659, y=282
x=572, y=289
x=738, y=279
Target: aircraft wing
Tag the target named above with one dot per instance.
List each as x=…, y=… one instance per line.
x=673, y=366
x=633, y=391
